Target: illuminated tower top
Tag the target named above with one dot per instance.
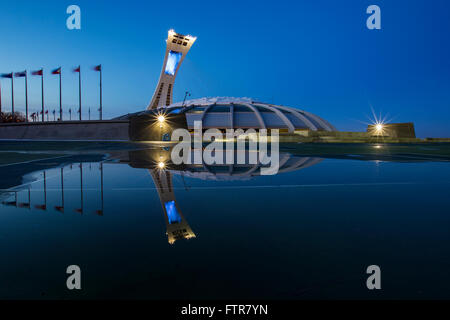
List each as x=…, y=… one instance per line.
x=178, y=46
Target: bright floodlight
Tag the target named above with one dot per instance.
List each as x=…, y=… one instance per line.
x=161, y=118
x=379, y=127
x=161, y=165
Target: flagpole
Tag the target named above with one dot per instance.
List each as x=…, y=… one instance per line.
x=62, y=187
x=101, y=102
x=0, y=97
x=42, y=93
x=12, y=92
x=79, y=85
x=60, y=97
x=26, y=96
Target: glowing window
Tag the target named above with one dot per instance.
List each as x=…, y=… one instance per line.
x=172, y=213
x=172, y=62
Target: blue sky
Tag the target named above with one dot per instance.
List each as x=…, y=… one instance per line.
x=314, y=55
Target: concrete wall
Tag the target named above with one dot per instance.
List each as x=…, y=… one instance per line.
x=66, y=130
x=394, y=130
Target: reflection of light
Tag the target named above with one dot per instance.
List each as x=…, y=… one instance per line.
x=161, y=118
x=172, y=214
x=377, y=147
x=161, y=165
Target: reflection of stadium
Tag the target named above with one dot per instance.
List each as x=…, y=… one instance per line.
x=162, y=171
x=18, y=193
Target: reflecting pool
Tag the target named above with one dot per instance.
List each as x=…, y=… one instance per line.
x=141, y=227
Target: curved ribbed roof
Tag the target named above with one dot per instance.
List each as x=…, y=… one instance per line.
x=287, y=163
x=230, y=112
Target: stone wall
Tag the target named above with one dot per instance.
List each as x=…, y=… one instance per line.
x=108, y=130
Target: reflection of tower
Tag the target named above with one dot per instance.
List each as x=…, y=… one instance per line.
x=178, y=46
x=177, y=226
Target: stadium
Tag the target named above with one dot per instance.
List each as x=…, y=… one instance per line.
x=216, y=112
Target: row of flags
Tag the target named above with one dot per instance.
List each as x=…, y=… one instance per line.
x=41, y=72
x=57, y=71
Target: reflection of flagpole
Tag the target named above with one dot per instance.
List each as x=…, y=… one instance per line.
x=45, y=190
x=26, y=204
x=0, y=97
x=80, y=210
x=29, y=198
x=44, y=206
x=100, y=212
x=61, y=208
x=62, y=187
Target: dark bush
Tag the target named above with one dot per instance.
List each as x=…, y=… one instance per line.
x=8, y=117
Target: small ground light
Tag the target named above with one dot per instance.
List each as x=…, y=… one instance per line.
x=161, y=118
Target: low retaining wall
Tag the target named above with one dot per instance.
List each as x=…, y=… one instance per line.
x=109, y=130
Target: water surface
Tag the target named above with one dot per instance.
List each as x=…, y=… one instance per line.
x=193, y=231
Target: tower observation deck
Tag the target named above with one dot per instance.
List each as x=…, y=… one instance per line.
x=178, y=46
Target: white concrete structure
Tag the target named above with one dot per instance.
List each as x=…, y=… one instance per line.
x=233, y=113
x=178, y=46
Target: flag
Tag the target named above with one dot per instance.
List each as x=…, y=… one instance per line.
x=46, y=112
x=7, y=75
x=98, y=68
x=77, y=69
x=20, y=74
x=38, y=72
x=59, y=208
x=57, y=71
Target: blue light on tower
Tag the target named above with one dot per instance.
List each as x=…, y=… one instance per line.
x=172, y=62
